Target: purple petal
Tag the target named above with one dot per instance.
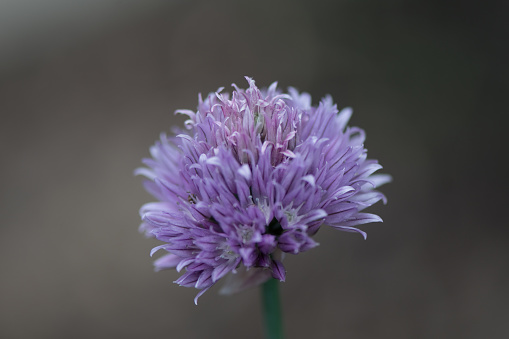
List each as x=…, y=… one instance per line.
x=362, y=218
x=200, y=294
x=223, y=269
x=167, y=261
x=278, y=270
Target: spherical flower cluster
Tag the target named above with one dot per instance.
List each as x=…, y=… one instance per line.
x=254, y=177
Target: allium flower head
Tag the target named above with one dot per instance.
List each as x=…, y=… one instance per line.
x=253, y=177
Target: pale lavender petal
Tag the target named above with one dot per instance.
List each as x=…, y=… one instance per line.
x=361, y=218
x=167, y=261
x=244, y=279
x=200, y=294
x=378, y=180
x=223, y=269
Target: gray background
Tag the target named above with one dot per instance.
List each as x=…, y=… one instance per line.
x=87, y=86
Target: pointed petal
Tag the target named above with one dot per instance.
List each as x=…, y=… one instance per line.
x=362, y=218
x=278, y=270
x=166, y=261
x=200, y=294
x=223, y=269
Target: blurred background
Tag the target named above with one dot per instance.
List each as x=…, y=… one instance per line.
x=87, y=86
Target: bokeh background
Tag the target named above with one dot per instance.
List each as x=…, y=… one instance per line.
x=87, y=86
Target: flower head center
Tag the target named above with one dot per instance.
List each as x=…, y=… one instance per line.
x=246, y=234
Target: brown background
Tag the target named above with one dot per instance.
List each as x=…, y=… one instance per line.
x=85, y=89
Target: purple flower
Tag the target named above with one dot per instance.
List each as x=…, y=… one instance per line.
x=254, y=177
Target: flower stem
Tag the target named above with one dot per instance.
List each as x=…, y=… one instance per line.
x=272, y=309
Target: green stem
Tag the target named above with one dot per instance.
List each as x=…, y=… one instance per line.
x=272, y=309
